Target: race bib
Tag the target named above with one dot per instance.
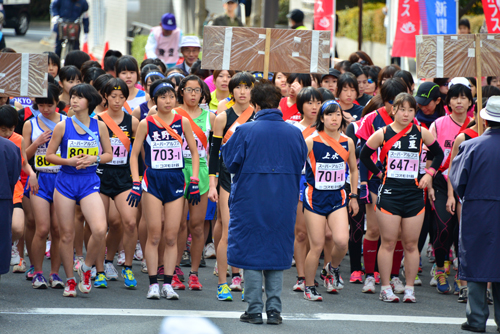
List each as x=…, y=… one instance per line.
x=201, y=150
x=119, y=152
x=446, y=154
x=166, y=155
x=423, y=161
x=41, y=163
x=77, y=147
x=330, y=176
x=402, y=165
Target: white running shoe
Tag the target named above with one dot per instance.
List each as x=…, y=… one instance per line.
x=216, y=269
x=236, y=284
x=15, y=258
x=144, y=266
x=110, y=271
x=138, y=255
x=77, y=263
x=418, y=281
x=168, y=292
x=388, y=296
x=47, y=249
x=93, y=273
x=433, y=281
x=409, y=296
x=337, y=282
x=19, y=267
x=293, y=261
x=210, y=251
x=397, y=285
x=121, y=258
x=369, y=286
x=455, y=264
x=300, y=285
x=85, y=284
x=154, y=291
x=328, y=284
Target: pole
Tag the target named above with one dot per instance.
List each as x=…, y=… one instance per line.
x=458, y=18
x=360, y=24
x=334, y=30
x=388, y=33
x=479, y=85
x=267, y=51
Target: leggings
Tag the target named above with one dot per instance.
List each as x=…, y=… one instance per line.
x=427, y=227
x=356, y=231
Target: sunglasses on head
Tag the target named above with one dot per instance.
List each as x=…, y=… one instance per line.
x=370, y=81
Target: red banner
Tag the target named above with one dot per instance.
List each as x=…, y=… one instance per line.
x=324, y=14
x=407, y=28
x=492, y=15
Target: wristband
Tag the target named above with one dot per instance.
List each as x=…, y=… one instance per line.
x=431, y=171
x=351, y=196
x=192, y=178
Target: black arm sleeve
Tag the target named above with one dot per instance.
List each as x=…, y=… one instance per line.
x=365, y=159
x=437, y=155
x=214, y=163
x=350, y=133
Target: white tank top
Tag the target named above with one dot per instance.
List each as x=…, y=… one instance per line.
x=41, y=164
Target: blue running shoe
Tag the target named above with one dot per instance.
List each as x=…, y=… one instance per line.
x=100, y=281
x=442, y=282
x=243, y=295
x=39, y=282
x=456, y=286
x=224, y=293
x=30, y=273
x=128, y=275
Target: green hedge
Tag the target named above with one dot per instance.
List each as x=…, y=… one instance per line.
x=476, y=21
x=138, y=47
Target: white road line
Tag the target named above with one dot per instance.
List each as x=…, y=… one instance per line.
x=236, y=315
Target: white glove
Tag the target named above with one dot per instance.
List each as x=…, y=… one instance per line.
x=54, y=19
x=85, y=38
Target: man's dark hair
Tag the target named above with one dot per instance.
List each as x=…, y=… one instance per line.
x=265, y=95
x=464, y=22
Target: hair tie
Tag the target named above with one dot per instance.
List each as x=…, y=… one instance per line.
x=328, y=103
x=171, y=75
x=117, y=88
x=163, y=84
x=151, y=74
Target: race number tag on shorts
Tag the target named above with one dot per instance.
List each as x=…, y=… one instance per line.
x=423, y=161
x=402, y=165
x=119, y=152
x=76, y=147
x=41, y=163
x=166, y=154
x=201, y=150
x=330, y=176
x=446, y=154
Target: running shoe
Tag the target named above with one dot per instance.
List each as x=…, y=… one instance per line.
x=194, y=283
x=442, y=282
x=100, y=281
x=55, y=282
x=338, y=283
x=377, y=277
x=328, y=284
x=188, y=243
x=420, y=266
x=300, y=285
x=47, y=249
x=243, y=295
x=144, y=268
x=293, y=262
x=14, y=255
x=160, y=273
x=489, y=297
x=110, y=271
x=236, y=284
x=388, y=296
x=463, y=295
x=418, y=281
x=397, y=286
x=154, y=291
x=409, y=296
x=323, y=274
x=224, y=293
x=447, y=265
x=77, y=262
x=85, y=285
x=369, y=286
x=30, y=273
x=456, y=286
x=39, y=282
x=255, y=318
x=177, y=284
x=70, y=289
x=168, y=292
x=216, y=269
x=121, y=258
x=93, y=272
x=203, y=263
x=186, y=259
x=180, y=274
x=433, y=281
x=129, y=279
x=20, y=267
x=357, y=277
x=138, y=255
x=210, y=251
x=310, y=293
x=455, y=264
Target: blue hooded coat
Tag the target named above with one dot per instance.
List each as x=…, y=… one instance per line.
x=265, y=158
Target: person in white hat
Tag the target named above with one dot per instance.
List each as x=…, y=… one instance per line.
x=475, y=178
x=190, y=49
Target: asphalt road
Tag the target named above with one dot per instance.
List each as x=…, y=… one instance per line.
x=31, y=41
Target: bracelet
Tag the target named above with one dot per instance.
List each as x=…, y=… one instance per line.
x=431, y=171
x=353, y=196
x=192, y=178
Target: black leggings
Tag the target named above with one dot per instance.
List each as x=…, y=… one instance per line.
x=356, y=231
x=427, y=226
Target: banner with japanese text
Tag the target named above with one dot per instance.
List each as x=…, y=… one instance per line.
x=407, y=28
x=492, y=15
x=439, y=17
x=324, y=14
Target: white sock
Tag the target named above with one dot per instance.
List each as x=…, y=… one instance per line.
x=385, y=287
x=412, y=288
x=85, y=268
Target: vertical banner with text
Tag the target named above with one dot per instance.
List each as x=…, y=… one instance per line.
x=407, y=28
x=324, y=18
x=492, y=15
x=439, y=17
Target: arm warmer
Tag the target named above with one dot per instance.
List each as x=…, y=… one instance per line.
x=365, y=159
x=437, y=155
x=214, y=162
x=363, y=171
x=350, y=133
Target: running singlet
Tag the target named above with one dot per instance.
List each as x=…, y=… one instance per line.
x=291, y=114
x=325, y=168
x=231, y=117
x=144, y=110
x=162, y=151
x=73, y=144
x=402, y=164
x=121, y=154
x=41, y=163
x=306, y=134
x=137, y=100
x=203, y=121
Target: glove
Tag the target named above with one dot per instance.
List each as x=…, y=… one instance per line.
x=194, y=191
x=54, y=19
x=364, y=194
x=85, y=38
x=134, y=197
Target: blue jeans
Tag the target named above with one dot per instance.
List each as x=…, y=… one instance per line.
x=253, y=290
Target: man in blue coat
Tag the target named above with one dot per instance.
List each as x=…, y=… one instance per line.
x=475, y=177
x=10, y=169
x=69, y=10
x=265, y=159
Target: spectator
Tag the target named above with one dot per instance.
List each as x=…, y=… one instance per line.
x=229, y=18
x=464, y=27
x=69, y=10
x=164, y=40
x=190, y=49
x=296, y=19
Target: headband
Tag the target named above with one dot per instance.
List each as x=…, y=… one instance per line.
x=175, y=74
x=328, y=103
x=153, y=73
x=163, y=84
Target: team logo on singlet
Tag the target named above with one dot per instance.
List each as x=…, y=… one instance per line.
x=328, y=156
x=412, y=144
x=163, y=135
x=397, y=145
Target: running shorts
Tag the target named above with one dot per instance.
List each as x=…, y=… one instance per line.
x=204, y=184
x=224, y=178
x=324, y=202
x=373, y=184
x=77, y=186
x=167, y=186
x=403, y=202
x=211, y=209
x=114, y=181
x=47, y=183
x=18, y=192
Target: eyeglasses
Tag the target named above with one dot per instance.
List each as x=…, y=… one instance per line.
x=370, y=81
x=429, y=92
x=189, y=90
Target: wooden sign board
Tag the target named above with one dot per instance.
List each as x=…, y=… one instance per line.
x=23, y=75
x=258, y=49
